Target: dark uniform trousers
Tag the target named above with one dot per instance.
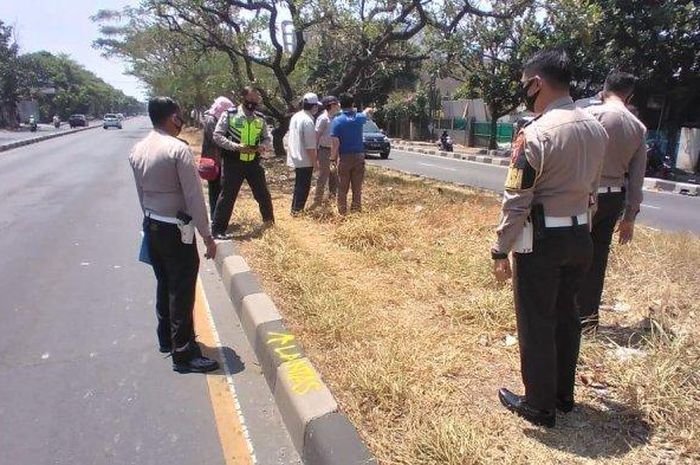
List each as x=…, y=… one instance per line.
x=610, y=207
x=214, y=191
x=302, y=186
x=549, y=327
x=235, y=172
x=176, y=266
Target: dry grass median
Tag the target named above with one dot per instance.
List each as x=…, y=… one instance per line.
x=397, y=308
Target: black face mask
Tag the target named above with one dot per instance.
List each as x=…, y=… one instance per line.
x=250, y=106
x=530, y=99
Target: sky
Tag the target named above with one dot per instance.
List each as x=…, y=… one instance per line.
x=64, y=26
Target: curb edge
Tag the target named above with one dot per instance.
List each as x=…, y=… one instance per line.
x=321, y=434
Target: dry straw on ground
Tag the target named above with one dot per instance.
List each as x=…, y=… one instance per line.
x=397, y=308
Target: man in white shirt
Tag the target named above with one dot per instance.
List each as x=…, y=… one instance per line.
x=302, y=154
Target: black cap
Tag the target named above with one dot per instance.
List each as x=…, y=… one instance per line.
x=329, y=100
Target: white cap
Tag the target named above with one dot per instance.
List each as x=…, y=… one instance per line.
x=311, y=98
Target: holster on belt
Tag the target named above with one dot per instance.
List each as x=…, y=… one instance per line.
x=537, y=218
x=186, y=228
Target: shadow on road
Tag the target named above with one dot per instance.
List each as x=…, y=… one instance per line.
x=233, y=361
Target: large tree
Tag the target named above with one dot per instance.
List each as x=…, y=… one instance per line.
x=658, y=41
x=487, y=53
x=9, y=79
x=367, y=35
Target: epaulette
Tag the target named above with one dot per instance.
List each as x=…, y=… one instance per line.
x=531, y=121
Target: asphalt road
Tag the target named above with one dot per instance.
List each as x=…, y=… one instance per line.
x=670, y=212
x=81, y=379
x=43, y=129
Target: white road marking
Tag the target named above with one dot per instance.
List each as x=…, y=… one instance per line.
x=650, y=206
x=436, y=166
x=229, y=377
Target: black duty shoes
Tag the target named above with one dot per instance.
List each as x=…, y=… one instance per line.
x=565, y=406
x=517, y=404
x=198, y=364
x=191, y=360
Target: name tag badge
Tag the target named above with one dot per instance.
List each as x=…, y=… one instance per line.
x=523, y=244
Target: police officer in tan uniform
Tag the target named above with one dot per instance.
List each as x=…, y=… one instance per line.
x=170, y=194
x=625, y=158
x=552, y=179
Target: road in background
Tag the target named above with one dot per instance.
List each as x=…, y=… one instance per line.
x=43, y=129
x=81, y=378
x=660, y=210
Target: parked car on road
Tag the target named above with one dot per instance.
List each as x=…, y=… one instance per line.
x=375, y=140
x=111, y=121
x=77, y=120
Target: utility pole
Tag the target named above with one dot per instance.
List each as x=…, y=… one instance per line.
x=289, y=38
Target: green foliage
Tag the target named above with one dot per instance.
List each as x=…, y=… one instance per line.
x=658, y=41
x=9, y=77
x=404, y=104
x=77, y=90
x=487, y=56
x=365, y=47
x=326, y=60
x=168, y=63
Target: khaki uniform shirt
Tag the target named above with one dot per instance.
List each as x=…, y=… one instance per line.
x=626, y=153
x=167, y=180
x=556, y=162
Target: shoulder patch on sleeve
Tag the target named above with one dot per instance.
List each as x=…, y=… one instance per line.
x=521, y=175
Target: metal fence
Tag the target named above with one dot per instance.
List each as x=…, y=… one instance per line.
x=504, y=131
x=480, y=131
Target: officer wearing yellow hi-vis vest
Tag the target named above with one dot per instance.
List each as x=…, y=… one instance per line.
x=243, y=136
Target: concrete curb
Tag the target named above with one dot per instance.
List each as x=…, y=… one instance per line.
x=321, y=434
x=650, y=184
x=34, y=140
x=458, y=153
x=682, y=188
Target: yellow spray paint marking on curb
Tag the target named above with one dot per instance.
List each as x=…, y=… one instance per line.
x=229, y=421
x=299, y=372
x=303, y=377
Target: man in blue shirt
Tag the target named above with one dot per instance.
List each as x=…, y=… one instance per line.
x=348, y=147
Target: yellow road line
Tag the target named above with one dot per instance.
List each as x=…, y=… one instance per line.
x=233, y=435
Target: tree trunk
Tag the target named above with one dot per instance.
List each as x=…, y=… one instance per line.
x=494, y=131
x=278, y=137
